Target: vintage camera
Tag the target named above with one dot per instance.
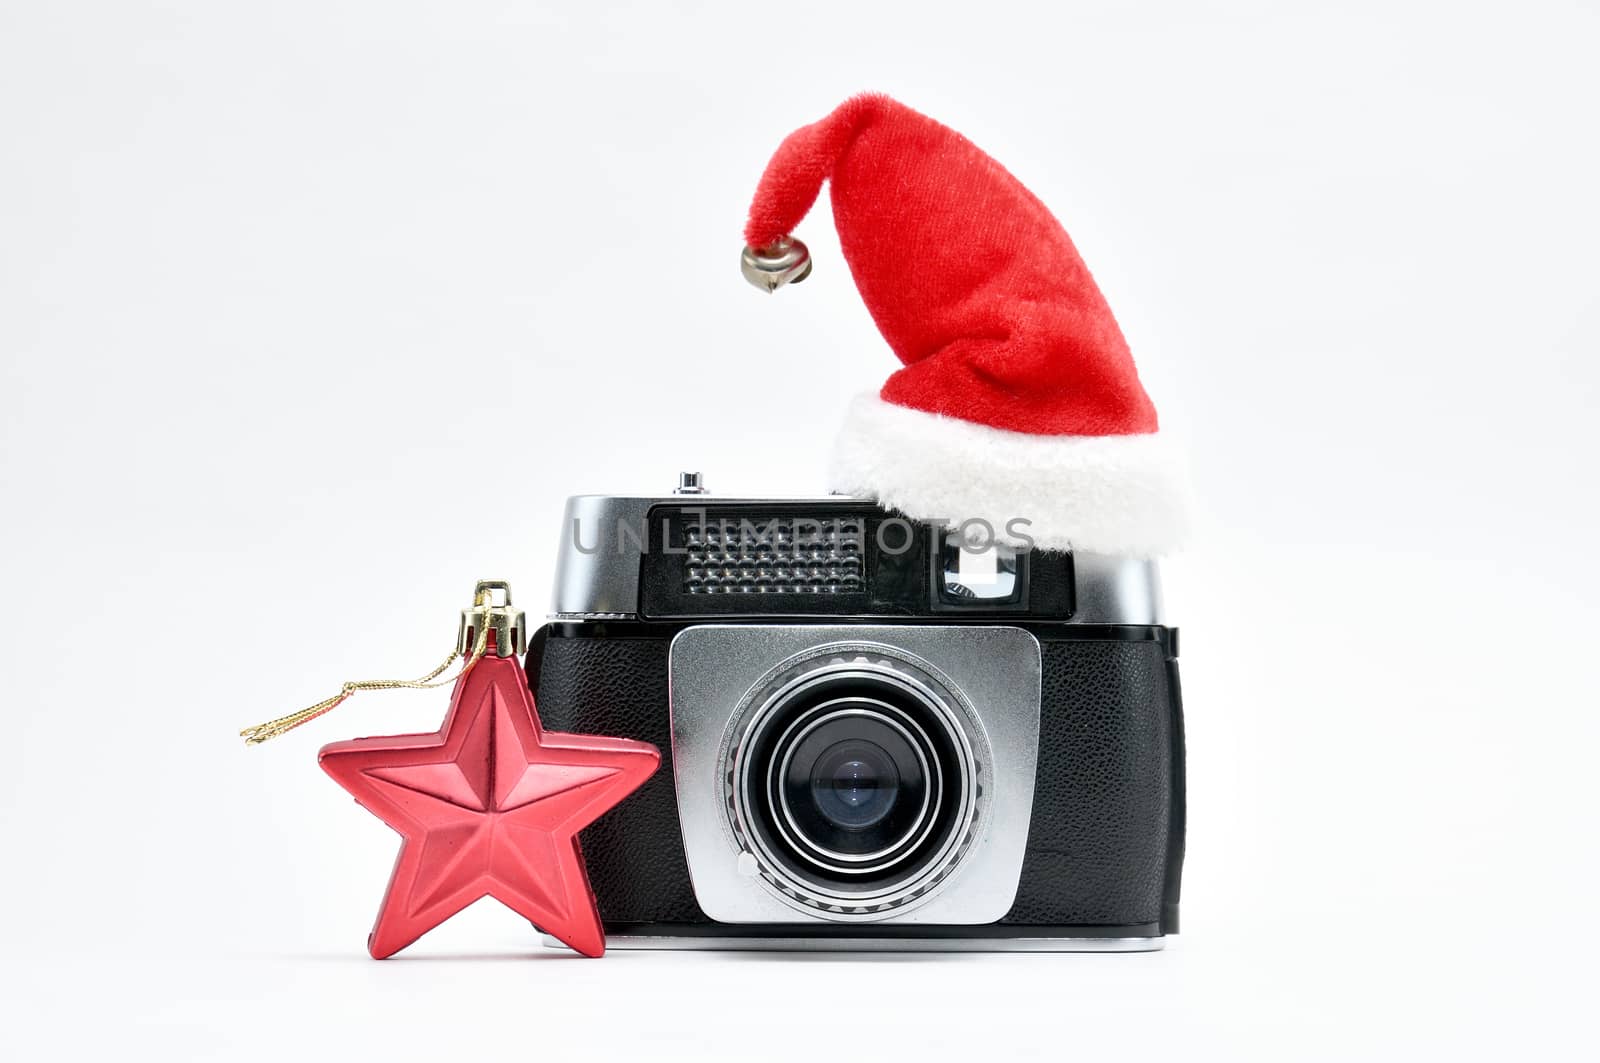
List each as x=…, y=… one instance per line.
x=876, y=732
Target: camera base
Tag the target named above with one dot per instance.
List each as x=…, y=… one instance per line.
x=740, y=943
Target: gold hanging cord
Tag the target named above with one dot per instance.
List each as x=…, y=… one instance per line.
x=483, y=607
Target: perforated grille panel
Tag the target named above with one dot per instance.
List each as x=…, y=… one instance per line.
x=773, y=555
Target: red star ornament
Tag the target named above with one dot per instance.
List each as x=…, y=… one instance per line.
x=489, y=806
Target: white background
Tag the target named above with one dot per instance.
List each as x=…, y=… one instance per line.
x=312, y=313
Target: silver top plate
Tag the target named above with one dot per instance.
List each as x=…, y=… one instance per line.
x=602, y=536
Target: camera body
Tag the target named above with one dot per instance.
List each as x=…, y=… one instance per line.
x=875, y=732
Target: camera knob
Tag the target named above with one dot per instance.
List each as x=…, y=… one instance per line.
x=690, y=483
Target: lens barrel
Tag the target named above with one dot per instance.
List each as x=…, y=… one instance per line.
x=854, y=779
x=855, y=785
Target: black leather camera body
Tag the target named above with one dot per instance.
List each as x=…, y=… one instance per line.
x=876, y=732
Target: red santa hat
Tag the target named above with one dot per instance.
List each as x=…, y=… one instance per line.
x=1018, y=399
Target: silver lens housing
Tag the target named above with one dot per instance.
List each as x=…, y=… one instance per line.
x=972, y=690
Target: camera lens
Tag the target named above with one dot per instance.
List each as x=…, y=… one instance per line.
x=853, y=779
x=855, y=784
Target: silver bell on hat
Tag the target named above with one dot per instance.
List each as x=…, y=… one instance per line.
x=785, y=261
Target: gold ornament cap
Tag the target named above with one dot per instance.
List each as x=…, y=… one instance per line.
x=491, y=610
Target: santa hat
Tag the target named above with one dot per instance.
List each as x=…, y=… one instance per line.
x=1018, y=399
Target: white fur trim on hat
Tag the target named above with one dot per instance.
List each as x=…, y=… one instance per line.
x=1125, y=495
